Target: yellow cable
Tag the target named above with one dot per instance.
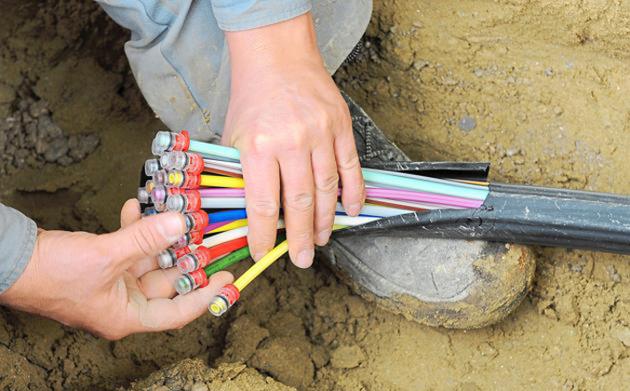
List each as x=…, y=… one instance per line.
x=221, y=181
x=265, y=262
x=261, y=265
x=233, y=225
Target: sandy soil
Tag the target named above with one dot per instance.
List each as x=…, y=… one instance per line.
x=539, y=88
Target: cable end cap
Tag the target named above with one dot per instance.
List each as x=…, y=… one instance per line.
x=228, y=295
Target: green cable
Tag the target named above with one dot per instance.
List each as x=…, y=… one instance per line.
x=227, y=261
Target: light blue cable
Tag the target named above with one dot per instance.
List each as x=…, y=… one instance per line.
x=420, y=184
x=219, y=151
x=383, y=178
x=430, y=179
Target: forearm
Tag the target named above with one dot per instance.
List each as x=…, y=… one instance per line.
x=17, y=240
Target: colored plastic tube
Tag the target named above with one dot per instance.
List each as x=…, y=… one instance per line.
x=219, y=151
x=223, y=203
x=437, y=187
x=384, y=178
x=416, y=196
x=221, y=181
x=227, y=215
x=227, y=261
x=214, y=192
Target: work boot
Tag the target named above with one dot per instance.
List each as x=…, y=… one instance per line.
x=437, y=282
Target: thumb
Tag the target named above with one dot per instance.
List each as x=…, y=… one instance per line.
x=130, y=213
x=143, y=238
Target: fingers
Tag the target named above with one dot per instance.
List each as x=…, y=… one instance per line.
x=159, y=283
x=142, y=239
x=326, y=190
x=143, y=266
x=166, y=314
x=261, y=175
x=353, y=188
x=298, y=206
x=130, y=212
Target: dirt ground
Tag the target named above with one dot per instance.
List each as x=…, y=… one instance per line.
x=537, y=87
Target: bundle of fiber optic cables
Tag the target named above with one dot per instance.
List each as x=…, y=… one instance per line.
x=204, y=182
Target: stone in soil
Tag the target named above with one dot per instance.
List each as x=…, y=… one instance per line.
x=30, y=138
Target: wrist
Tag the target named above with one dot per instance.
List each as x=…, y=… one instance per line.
x=18, y=235
x=286, y=45
x=17, y=295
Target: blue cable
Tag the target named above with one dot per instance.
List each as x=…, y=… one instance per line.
x=227, y=215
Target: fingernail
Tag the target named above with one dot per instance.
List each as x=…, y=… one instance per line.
x=323, y=236
x=305, y=258
x=354, y=209
x=172, y=226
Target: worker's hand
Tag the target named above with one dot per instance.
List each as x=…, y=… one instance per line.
x=110, y=284
x=294, y=132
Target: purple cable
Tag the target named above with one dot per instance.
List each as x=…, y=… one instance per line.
x=214, y=226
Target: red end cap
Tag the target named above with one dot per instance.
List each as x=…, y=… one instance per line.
x=204, y=219
x=196, y=237
x=231, y=293
x=199, y=277
x=191, y=181
x=190, y=191
x=204, y=256
x=195, y=164
x=193, y=202
x=200, y=220
x=182, y=141
x=180, y=252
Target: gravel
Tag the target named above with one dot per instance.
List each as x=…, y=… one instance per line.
x=30, y=138
x=467, y=124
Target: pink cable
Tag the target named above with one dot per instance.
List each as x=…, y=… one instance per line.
x=215, y=192
x=392, y=194
x=418, y=196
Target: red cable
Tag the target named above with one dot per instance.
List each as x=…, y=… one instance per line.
x=225, y=248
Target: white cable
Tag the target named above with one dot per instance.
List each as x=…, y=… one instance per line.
x=232, y=234
x=223, y=203
x=377, y=210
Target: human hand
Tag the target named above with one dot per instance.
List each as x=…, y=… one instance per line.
x=110, y=284
x=294, y=131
